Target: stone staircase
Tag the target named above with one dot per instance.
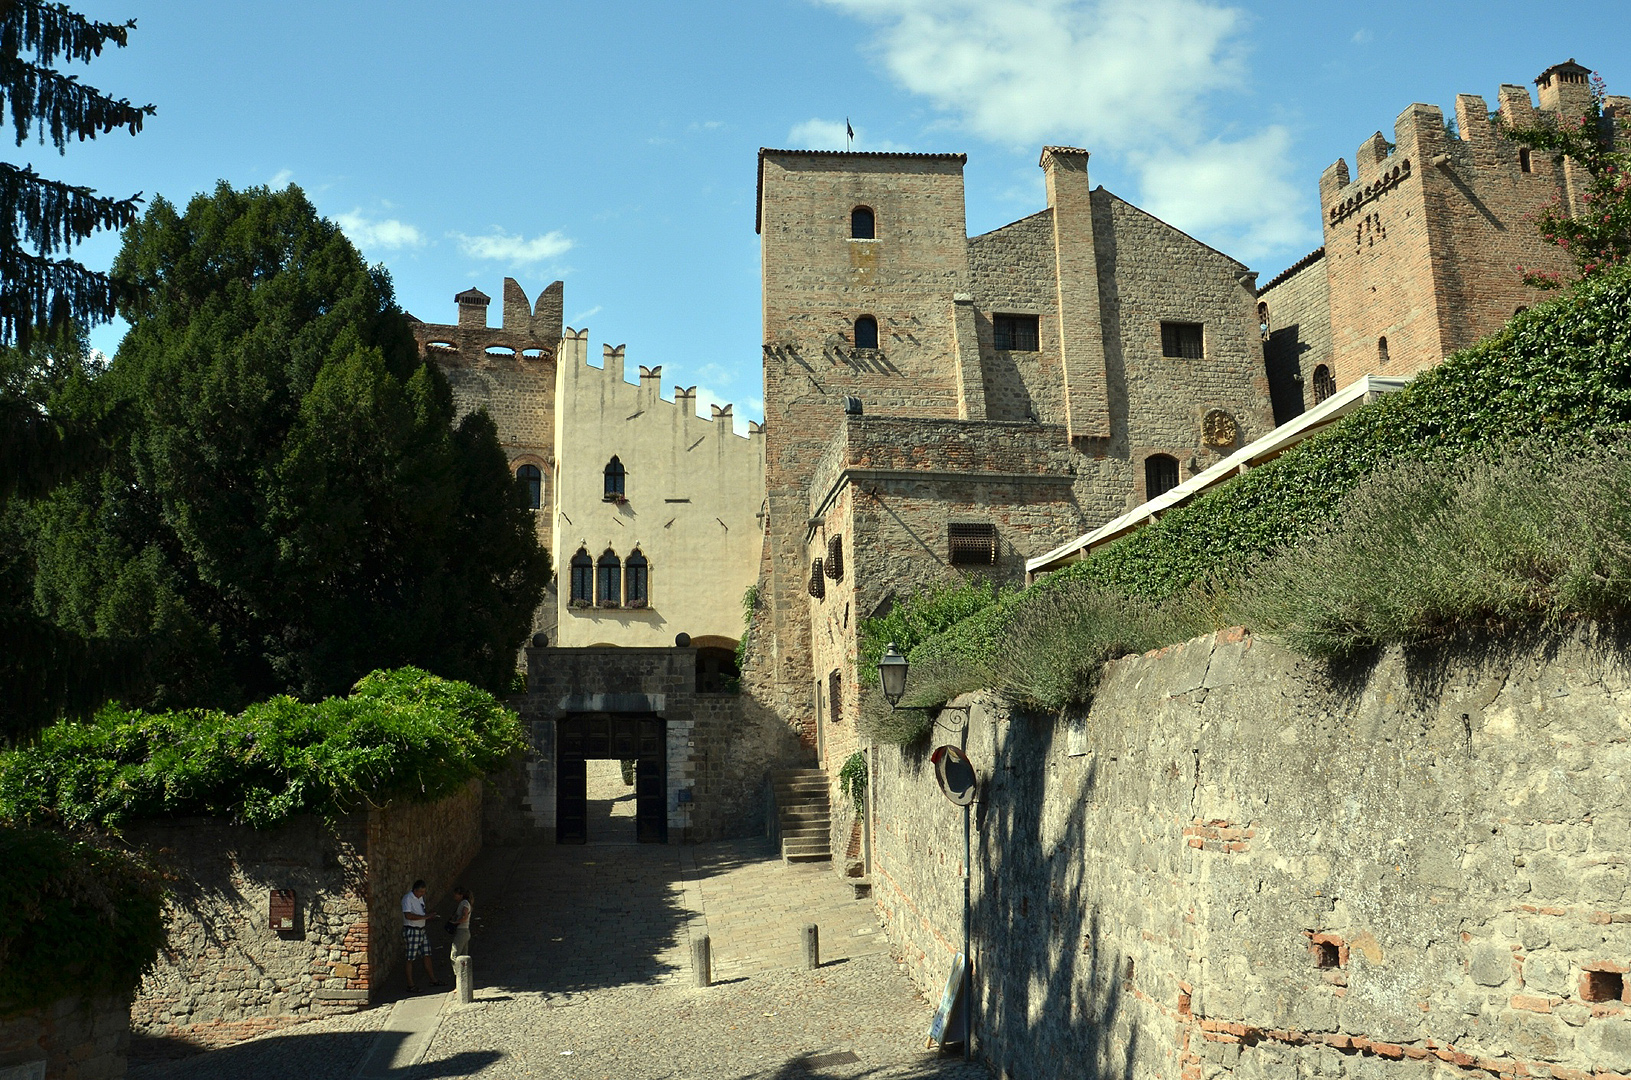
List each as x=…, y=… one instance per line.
x=803, y=814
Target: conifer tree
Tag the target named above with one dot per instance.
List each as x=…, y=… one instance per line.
x=40, y=218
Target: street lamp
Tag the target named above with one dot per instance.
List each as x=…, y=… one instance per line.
x=892, y=674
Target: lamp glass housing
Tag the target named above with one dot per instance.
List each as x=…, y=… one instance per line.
x=892, y=668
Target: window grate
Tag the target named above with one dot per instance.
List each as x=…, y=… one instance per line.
x=835, y=558
x=1182, y=341
x=972, y=543
x=1160, y=475
x=818, y=583
x=835, y=696
x=1017, y=333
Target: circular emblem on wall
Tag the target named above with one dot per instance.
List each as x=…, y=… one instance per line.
x=1218, y=428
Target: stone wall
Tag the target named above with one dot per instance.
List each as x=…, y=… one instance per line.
x=720, y=747
x=1240, y=863
x=226, y=971
x=71, y=1039
x=408, y=841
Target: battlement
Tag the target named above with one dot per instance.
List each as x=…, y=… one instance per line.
x=1422, y=139
x=609, y=380
x=528, y=334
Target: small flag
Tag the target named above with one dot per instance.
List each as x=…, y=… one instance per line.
x=849, y=132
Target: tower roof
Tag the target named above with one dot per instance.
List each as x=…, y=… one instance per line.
x=472, y=296
x=1567, y=68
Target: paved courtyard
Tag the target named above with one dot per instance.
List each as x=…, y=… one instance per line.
x=583, y=972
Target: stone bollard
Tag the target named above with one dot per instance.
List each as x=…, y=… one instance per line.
x=701, y=961
x=464, y=984
x=812, y=946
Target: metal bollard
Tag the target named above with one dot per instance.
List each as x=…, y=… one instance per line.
x=464, y=982
x=812, y=947
x=702, y=961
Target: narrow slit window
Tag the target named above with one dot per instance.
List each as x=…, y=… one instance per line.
x=1160, y=475
x=1524, y=162
x=1182, y=341
x=835, y=697
x=866, y=332
x=972, y=543
x=609, y=579
x=531, y=482
x=862, y=224
x=1017, y=333
x=1381, y=351
x=636, y=580
x=583, y=577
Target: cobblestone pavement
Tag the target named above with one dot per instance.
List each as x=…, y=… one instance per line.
x=582, y=958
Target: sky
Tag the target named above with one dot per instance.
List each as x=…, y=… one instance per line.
x=613, y=145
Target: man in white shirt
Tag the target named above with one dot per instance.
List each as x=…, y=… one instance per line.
x=414, y=937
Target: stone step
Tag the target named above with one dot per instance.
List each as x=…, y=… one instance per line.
x=817, y=831
x=806, y=853
x=804, y=809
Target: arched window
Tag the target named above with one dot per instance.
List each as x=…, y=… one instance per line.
x=614, y=480
x=636, y=581
x=861, y=223
x=609, y=580
x=1160, y=474
x=1263, y=319
x=1381, y=351
x=583, y=578
x=1325, y=383
x=866, y=332
x=531, y=481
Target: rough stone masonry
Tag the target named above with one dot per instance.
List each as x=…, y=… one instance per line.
x=1240, y=863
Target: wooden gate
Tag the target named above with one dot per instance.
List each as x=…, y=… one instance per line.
x=620, y=737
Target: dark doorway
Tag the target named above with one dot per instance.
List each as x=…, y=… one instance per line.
x=641, y=739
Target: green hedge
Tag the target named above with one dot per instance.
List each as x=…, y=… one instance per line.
x=79, y=920
x=400, y=734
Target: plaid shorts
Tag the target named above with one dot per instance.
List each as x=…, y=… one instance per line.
x=417, y=941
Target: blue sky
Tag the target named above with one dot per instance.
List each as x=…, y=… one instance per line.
x=613, y=144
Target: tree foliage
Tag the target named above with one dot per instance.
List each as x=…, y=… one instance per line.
x=286, y=503
x=37, y=287
x=1599, y=237
x=81, y=919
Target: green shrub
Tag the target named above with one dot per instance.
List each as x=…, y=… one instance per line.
x=852, y=778
x=919, y=617
x=1421, y=551
x=79, y=920
x=896, y=727
x=400, y=734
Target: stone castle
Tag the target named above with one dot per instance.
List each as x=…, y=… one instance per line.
x=940, y=405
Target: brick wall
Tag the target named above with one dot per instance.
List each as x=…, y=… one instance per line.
x=1237, y=863
x=75, y=1039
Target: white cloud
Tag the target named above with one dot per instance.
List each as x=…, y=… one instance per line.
x=1133, y=79
x=582, y=317
x=752, y=409
x=388, y=233
x=280, y=179
x=1363, y=37
x=501, y=246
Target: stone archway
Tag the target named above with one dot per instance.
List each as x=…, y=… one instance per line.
x=581, y=737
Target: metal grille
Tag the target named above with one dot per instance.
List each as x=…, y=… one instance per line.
x=1182, y=340
x=972, y=544
x=835, y=696
x=818, y=584
x=1324, y=384
x=1018, y=333
x=835, y=558
x=1160, y=474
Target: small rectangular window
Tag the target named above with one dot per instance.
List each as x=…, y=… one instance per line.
x=1182, y=340
x=1018, y=333
x=972, y=543
x=835, y=697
